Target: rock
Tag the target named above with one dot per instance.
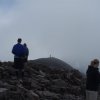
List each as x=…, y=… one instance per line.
x=3, y=90
x=3, y=93
x=32, y=96
x=48, y=94
x=72, y=97
x=59, y=82
x=42, y=73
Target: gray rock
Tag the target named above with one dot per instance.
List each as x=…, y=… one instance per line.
x=32, y=96
x=3, y=93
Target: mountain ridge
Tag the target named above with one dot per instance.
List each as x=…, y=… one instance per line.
x=53, y=62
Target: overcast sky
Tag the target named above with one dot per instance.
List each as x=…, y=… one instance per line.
x=66, y=29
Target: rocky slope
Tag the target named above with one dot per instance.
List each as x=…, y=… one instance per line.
x=40, y=82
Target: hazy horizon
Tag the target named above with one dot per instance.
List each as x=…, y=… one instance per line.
x=66, y=29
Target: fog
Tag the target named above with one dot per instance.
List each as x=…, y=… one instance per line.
x=66, y=29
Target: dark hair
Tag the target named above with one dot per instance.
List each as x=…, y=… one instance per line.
x=25, y=44
x=96, y=61
x=19, y=40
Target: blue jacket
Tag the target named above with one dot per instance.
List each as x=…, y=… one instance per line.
x=18, y=50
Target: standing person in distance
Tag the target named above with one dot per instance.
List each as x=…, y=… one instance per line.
x=19, y=52
x=93, y=80
x=26, y=52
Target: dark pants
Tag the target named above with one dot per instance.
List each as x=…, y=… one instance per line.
x=25, y=59
x=19, y=66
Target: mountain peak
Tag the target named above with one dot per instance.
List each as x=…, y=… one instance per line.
x=53, y=62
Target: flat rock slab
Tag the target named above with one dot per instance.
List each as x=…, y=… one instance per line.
x=3, y=93
x=2, y=90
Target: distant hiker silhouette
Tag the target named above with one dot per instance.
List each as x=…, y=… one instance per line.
x=26, y=52
x=93, y=80
x=19, y=52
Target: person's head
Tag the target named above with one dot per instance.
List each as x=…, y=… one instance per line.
x=95, y=63
x=19, y=40
x=25, y=44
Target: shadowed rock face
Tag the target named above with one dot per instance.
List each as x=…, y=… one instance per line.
x=40, y=82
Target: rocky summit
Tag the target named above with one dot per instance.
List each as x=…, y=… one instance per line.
x=40, y=82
